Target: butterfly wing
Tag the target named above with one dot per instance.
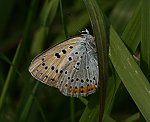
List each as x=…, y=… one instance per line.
x=70, y=66
x=47, y=66
x=81, y=78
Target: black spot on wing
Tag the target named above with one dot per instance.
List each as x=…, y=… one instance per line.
x=71, y=47
x=57, y=55
x=64, y=51
x=70, y=58
x=52, y=68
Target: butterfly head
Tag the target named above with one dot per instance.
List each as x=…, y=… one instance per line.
x=87, y=38
x=85, y=32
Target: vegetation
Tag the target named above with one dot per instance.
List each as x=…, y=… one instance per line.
x=29, y=27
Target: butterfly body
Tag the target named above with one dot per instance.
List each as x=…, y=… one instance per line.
x=70, y=66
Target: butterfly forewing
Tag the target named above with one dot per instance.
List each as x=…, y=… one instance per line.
x=46, y=66
x=70, y=66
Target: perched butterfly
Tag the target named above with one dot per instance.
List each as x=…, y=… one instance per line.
x=70, y=66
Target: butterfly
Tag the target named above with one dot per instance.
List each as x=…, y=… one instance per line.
x=70, y=66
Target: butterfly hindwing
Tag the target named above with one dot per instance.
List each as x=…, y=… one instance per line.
x=82, y=76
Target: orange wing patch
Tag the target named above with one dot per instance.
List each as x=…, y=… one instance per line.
x=82, y=89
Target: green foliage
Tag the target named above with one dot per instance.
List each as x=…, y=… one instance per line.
x=120, y=26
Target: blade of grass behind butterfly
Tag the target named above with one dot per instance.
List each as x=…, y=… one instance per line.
x=19, y=52
x=130, y=74
x=132, y=34
x=99, y=29
x=72, y=116
x=9, y=78
x=121, y=14
x=132, y=28
x=28, y=105
x=91, y=111
x=3, y=57
x=49, y=9
x=75, y=26
x=145, y=38
x=47, y=15
x=145, y=42
x=133, y=118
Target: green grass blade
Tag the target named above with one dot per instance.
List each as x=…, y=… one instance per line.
x=72, y=111
x=130, y=74
x=37, y=46
x=19, y=53
x=72, y=114
x=63, y=20
x=48, y=12
x=133, y=118
x=91, y=111
x=109, y=119
x=132, y=34
x=93, y=115
x=41, y=111
x=9, y=78
x=27, y=108
x=47, y=15
x=83, y=100
x=112, y=87
x=39, y=38
x=121, y=14
x=145, y=40
x=97, y=21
